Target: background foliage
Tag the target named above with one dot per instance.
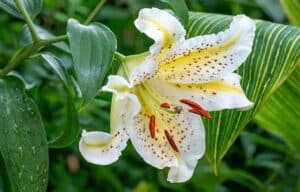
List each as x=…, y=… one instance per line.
x=258, y=160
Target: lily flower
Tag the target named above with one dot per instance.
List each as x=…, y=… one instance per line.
x=159, y=96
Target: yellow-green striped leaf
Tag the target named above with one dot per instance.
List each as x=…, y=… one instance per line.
x=274, y=56
x=281, y=113
x=292, y=9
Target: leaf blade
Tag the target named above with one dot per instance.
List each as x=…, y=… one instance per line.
x=273, y=58
x=33, y=7
x=23, y=138
x=72, y=128
x=92, y=48
x=280, y=115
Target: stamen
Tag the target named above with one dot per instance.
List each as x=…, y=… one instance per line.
x=165, y=105
x=201, y=112
x=152, y=126
x=191, y=103
x=196, y=108
x=171, y=141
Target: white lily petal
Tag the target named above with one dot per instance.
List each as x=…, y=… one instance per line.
x=209, y=57
x=105, y=148
x=102, y=148
x=186, y=130
x=161, y=26
x=117, y=85
x=165, y=30
x=187, y=164
x=212, y=96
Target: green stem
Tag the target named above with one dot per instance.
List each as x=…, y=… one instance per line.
x=54, y=40
x=34, y=34
x=119, y=56
x=94, y=12
x=18, y=58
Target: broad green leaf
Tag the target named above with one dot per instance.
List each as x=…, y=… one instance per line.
x=23, y=142
x=292, y=9
x=180, y=9
x=71, y=128
x=281, y=114
x=44, y=34
x=33, y=7
x=274, y=56
x=92, y=48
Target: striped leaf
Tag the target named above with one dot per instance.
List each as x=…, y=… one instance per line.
x=292, y=9
x=274, y=56
x=281, y=113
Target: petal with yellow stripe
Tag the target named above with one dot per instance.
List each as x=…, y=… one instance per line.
x=216, y=95
x=105, y=148
x=209, y=57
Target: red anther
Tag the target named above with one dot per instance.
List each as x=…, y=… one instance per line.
x=171, y=141
x=201, y=112
x=152, y=126
x=191, y=103
x=165, y=105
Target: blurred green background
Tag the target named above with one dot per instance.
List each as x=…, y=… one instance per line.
x=257, y=161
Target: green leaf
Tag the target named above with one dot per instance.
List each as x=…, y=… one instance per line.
x=180, y=9
x=292, y=9
x=92, y=48
x=33, y=7
x=274, y=56
x=23, y=142
x=58, y=68
x=44, y=34
x=71, y=129
x=281, y=113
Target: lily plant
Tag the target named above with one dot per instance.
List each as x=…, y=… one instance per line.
x=159, y=96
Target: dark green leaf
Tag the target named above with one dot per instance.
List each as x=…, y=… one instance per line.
x=71, y=129
x=33, y=7
x=281, y=113
x=22, y=140
x=57, y=67
x=26, y=38
x=180, y=9
x=93, y=48
x=274, y=56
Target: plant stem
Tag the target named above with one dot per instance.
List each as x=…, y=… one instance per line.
x=119, y=56
x=34, y=34
x=54, y=40
x=94, y=12
x=38, y=43
x=18, y=58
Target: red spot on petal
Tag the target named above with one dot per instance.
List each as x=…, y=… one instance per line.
x=165, y=105
x=171, y=141
x=152, y=126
